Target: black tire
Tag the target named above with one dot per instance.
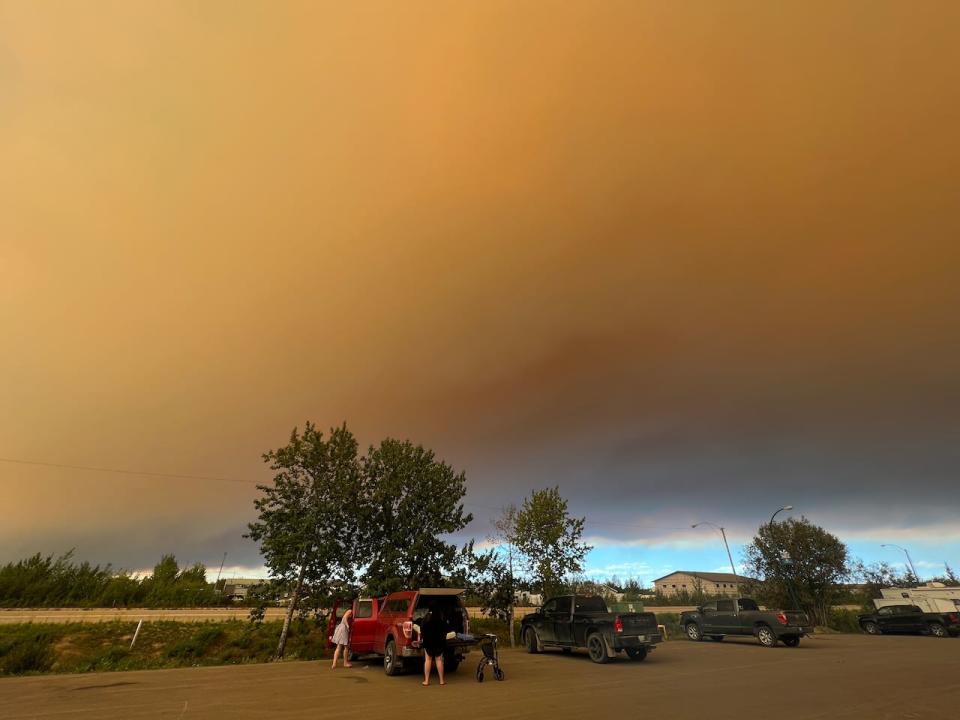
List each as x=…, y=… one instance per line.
x=530, y=640
x=766, y=636
x=392, y=665
x=791, y=640
x=480, y=674
x=567, y=651
x=693, y=632
x=871, y=628
x=450, y=663
x=938, y=630
x=498, y=673
x=597, y=648
x=716, y=638
x=638, y=654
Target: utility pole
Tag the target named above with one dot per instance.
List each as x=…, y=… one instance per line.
x=217, y=583
x=723, y=534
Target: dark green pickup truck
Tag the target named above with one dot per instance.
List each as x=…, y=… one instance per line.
x=576, y=621
x=720, y=618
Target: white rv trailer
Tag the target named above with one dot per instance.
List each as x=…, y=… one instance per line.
x=933, y=597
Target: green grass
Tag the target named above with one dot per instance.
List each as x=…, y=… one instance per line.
x=33, y=648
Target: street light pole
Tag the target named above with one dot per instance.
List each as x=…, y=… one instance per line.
x=785, y=507
x=909, y=559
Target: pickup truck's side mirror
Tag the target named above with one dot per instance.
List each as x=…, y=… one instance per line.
x=704, y=611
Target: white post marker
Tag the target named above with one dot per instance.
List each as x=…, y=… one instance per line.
x=136, y=633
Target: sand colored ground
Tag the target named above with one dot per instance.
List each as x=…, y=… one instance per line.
x=837, y=677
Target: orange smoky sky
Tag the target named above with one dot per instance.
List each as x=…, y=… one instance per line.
x=683, y=259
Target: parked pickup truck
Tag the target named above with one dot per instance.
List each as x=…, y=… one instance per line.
x=719, y=618
x=576, y=621
x=910, y=619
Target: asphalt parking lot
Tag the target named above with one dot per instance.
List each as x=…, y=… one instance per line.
x=835, y=676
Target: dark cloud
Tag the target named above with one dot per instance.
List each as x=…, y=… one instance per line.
x=684, y=262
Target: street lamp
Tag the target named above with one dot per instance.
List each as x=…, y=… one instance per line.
x=909, y=560
x=723, y=534
x=785, y=507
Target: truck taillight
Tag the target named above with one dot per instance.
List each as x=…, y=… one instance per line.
x=618, y=624
x=954, y=617
x=782, y=619
x=408, y=629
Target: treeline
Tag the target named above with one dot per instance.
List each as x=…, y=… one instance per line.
x=62, y=581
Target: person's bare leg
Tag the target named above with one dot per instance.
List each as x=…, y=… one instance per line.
x=336, y=654
x=427, y=661
x=440, y=668
x=346, y=656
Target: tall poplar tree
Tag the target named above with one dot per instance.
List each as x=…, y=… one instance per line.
x=307, y=524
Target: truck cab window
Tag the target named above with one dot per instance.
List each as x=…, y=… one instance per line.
x=364, y=609
x=747, y=604
x=724, y=605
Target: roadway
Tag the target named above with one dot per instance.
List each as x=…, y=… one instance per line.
x=830, y=677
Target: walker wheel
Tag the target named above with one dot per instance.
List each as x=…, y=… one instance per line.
x=498, y=673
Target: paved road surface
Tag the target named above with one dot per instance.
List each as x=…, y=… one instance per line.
x=828, y=677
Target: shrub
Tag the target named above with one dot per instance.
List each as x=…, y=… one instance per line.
x=843, y=620
x=197, y=645
x=32, y=652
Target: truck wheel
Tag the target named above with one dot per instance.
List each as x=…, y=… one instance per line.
x=450, y=664
x=791, y=640
x=597, y=648
x=693, y=632
x=392, y=665
x=938, y=630
x=638, y=654
x=531, y=641
x=871, y=628
x=766, y=637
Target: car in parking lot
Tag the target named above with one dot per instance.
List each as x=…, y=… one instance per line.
x=891, y=619
x=720, y=618
x=577, y=621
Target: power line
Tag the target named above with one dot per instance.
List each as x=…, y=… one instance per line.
x=127, y=472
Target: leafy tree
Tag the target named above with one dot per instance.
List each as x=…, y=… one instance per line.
x=799, y=563
x=502, y=590
x=549, y=540
x=875, y=577
x=307, y=523
x=410, y=501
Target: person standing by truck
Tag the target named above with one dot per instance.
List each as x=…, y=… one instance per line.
x=341, y=638
x=433, y=632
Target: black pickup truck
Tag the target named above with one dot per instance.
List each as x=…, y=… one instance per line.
x=720, y=618
x=910, y=619
x=577, y=621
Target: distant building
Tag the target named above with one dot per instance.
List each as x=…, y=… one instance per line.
x=694, y=582
x=237, y=589
x=525, y=599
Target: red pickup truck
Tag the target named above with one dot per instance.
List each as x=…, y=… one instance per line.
x=387, y=626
